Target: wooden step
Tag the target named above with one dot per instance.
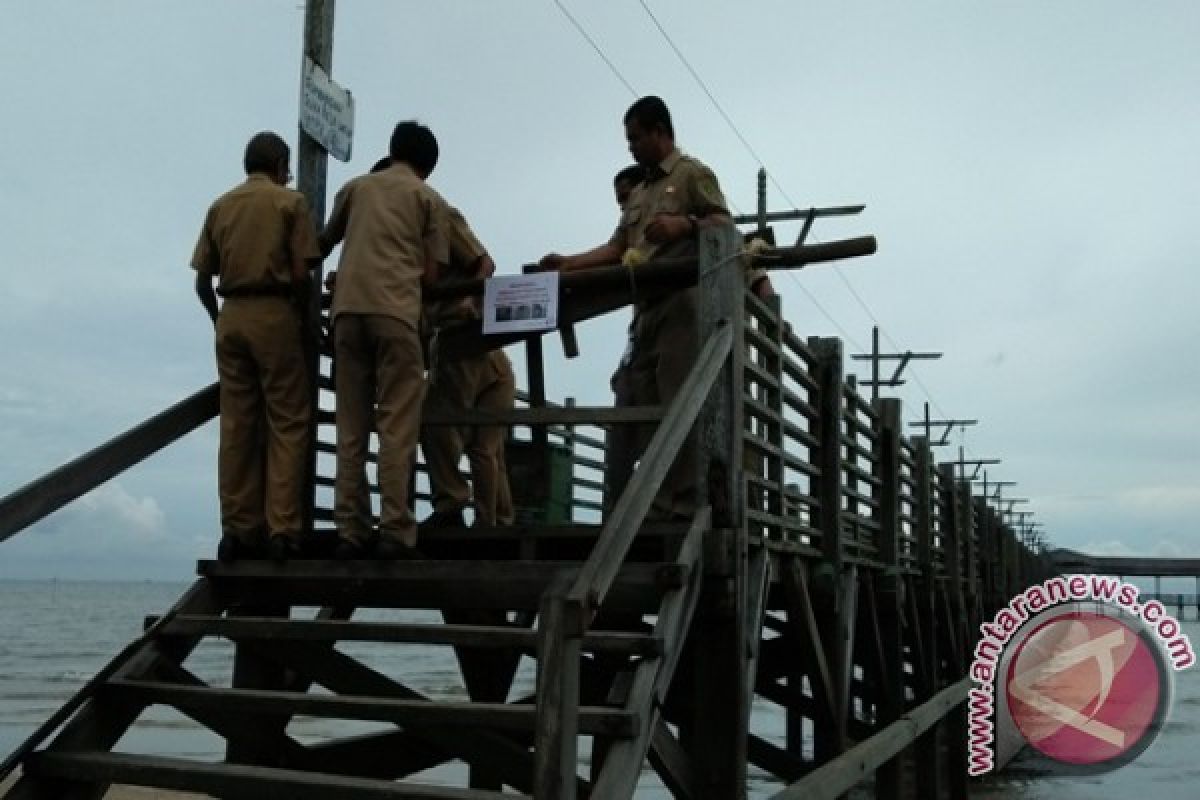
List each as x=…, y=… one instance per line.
x=497, y=716
x=428, y=584
x=236, y=780
x=312, y=630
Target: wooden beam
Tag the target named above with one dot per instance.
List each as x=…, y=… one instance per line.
x=844, y=772
x=653, y=677
x=558, y=711
x=236, y=780
x=462, y=635
x=497, y=716
x=428, y=584
x=670, y=761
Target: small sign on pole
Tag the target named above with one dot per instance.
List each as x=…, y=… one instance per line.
x=326, y=111
x=520, y=303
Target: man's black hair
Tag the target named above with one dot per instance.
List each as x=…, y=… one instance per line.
x=381, y=164
x=633, y=175
x=265, y=152
x=651, y=114
x=415, y=145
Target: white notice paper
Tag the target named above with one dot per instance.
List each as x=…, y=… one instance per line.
x=518, y=303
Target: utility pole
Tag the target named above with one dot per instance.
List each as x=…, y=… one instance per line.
x=312, y=164
x=761, y=218
x=875, y=357
x=949, y=425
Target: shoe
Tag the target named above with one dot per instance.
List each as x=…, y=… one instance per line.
x=445, y=519
x=229, y=549
x=347, y=550
x=281, y=548
x=392, y=550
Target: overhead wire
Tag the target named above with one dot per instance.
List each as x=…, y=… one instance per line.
x=758, y=159
x=595, y=46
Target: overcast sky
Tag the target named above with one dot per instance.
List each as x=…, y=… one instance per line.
x=1029, y=169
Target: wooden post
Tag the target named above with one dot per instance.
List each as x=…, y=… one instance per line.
x=964, y=528
x=719, y=723
x=776, y=472
x=311, y=167
x=889, y=588
x=953, y=547
x=559, y=648
x=828, y=581
x=928, y=751
x=535, y=369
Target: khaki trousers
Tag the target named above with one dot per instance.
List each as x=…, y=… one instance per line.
x=478, y=382
x=621, y=442
x=664, y=351
x=265, y=417
x=380, y=375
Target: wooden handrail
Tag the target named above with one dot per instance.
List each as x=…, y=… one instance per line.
x=597, y=574
x=41, y=497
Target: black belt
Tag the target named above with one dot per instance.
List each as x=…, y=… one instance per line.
x=257, y=291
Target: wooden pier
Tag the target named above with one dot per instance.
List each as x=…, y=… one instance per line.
x=834, y=570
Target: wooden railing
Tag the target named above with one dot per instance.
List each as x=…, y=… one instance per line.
x=45, y=495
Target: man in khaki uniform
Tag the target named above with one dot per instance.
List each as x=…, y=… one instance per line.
x=483, y=381
x=394, y=242
x=258, y=243
x=624, y=443
x=679, y=196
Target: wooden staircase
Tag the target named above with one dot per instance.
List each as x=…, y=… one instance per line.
x=286, y=622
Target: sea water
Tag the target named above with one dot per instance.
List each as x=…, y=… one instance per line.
x=54, y=635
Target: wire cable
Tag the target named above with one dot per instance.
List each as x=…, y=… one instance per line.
x=595, y=46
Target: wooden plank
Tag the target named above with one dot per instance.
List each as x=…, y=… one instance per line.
x=506, y=585
x=845, y=771
x=533, y=417
x=236, y=780
x=491, y=636
x=498, y=716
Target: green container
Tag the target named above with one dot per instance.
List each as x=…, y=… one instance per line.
x=540, y=478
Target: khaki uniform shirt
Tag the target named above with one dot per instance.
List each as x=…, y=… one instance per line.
x=392, y=223
x=678, y=185
x=251, y=235
x=464, y=250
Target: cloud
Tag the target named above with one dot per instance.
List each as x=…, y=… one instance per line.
x=141, y=517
